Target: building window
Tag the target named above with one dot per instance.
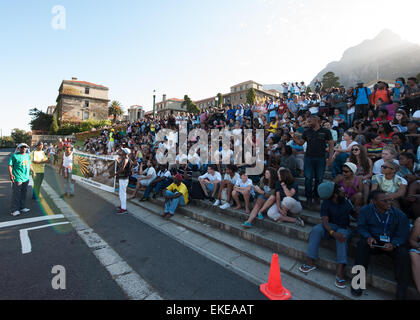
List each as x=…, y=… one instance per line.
x=78, y=114
x=235, y=98
x=86, y=104
x=234, y=89
x=87, y=90
x=94, y=115
x=85, y=115
x=247, y=86
x=240, y=88
x=241, y=96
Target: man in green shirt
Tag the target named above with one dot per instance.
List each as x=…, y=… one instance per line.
x=19, y=169
x=38, y=161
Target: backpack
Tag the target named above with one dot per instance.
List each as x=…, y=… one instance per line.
x=197, y=192
x=357, y=94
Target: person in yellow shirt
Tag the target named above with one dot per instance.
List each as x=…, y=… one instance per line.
x=176, y=194
x=38, y=160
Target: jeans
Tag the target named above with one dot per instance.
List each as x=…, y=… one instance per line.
x=37, y=184
x=350, y=119
x=172, y=204
x=314, y=168
x=19, y=190
x=69, y=184
x=400, y=258
x=338, y=163
x=318, y=233
x=157, y=187
x=123, y=183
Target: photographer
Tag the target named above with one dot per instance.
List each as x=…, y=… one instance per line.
x=384, y=230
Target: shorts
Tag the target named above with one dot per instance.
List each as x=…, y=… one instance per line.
x=261, y=196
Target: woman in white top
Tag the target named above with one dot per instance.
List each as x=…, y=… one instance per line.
x=342, y=152
x=229, y=181
x=66, y=170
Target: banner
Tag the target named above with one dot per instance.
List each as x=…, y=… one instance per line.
x=94, y=170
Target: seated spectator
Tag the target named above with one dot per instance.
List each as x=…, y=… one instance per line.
x=288, y=160
x=384, y=230
x=229, y=181
x=364, y=166
x=245, y=188
x=286, y=200
x=264, y=191
x=401, y=121
x=176, y=194
x=389, y=182
x=386, y=132
x=410, y=171
x=342, y=152
x=415, y=253
x=145, y=177
x=388, y=154
x=162, y=181
x=210, y=182
x=335, y=213
x=352, y=185
x=399, y=142
x=186, y=173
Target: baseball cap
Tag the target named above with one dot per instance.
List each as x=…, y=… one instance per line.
x=23, y=145
x=326, y=190
x=126, y=150
x=351, y=166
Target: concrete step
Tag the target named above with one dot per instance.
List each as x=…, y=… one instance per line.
x=286, y=240
x=322, y=279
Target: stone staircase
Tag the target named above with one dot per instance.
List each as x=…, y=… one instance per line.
x=288, y=240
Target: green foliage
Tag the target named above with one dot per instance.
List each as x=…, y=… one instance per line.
x=115, y=110
x=191, y=106
x=7, y=142
x=220, y=99
x=21, y=136
x=71, y=128
x=54, y=125
x=308, y=89
x=251, y=96
x=40, y=120
x=418, y=77
x=330, y=80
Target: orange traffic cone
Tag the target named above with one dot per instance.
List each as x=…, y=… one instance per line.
x=274, y=289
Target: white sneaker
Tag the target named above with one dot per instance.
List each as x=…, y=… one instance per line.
x=217, y=203
x=26, y=210
x=16, y=213
x=225, y=206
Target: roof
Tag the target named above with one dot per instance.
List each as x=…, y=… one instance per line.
x=249, y=81
x=86, y=83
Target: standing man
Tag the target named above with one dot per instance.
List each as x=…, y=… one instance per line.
x=315, y=157
x=111, y=142
x=38, y=160
x=123, y=174
x=384, y=230
x=19, y=168
x=66, y=170
x=361, y=97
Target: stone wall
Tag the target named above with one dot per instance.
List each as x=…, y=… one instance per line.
x=73, y=109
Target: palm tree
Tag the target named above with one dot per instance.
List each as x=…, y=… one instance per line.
x=115, y=110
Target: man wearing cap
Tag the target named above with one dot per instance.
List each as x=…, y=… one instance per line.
x=335, y=213
x=361, y=97
x=38, y=160
x=384, y=230
x=176, y=194
x=123, y=174
x=19, y=168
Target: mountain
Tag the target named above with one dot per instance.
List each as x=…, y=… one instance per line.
x=387, y=56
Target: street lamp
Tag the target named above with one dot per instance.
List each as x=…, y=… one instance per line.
x=217, y=100
x=154, y=103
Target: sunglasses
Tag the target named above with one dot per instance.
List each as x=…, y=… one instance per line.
x=355, y=149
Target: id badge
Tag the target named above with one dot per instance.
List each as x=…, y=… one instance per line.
x=385, y=239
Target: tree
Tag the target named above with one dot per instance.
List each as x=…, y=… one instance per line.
x=7, y=142
x=40, y=120
x=219, y=100
x=54, y=125
x=191, y=106
x=308, y=90
x=21, y=136
x=330, y=80
x=418, y=77
x=115, y=110
x=251, y=96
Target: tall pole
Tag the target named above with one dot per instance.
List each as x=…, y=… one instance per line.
x=154, y=102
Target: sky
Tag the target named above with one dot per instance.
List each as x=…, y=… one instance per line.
x=177, y=47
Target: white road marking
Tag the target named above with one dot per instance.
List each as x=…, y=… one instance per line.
x=29, y=220
x=24, y=236
x=133, y=285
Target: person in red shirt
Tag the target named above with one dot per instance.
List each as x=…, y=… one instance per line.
x=282, y=107
x=383, y=117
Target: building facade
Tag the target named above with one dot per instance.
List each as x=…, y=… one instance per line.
x=135, y=113
x=172, y=106
x=50, y=110
x=79, y=101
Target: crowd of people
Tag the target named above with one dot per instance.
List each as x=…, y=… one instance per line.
x=367, y=137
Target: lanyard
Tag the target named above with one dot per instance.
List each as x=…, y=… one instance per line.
x=385, y=223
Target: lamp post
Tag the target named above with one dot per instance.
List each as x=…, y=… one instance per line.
x=154, y=103
x=217, y=104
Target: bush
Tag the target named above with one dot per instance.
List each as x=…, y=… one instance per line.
x=7, y=142
x=69, y=128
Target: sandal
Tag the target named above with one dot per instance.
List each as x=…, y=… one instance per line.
x=247, y=225
x=306, y=269
x=340, y=283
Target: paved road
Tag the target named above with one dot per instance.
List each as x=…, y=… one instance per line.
x=176, y=272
